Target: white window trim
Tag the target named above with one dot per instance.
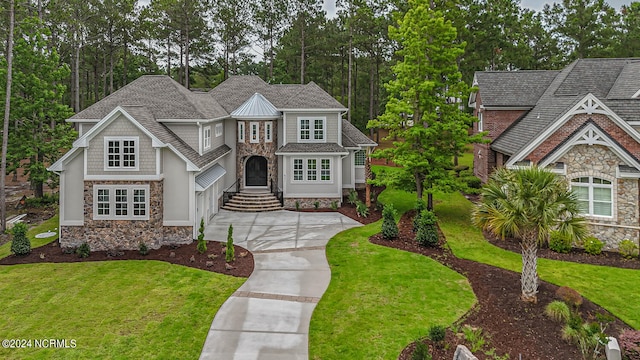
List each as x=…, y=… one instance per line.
x=590, y=185
x=480, y=121
x=241, y=131
x=136, y=143
x=355, y=158
x=312, y=128
x=112, y=196
x=255, y=125
x=318, y=171
x=219, y=129
x=268, y=136
x=206, y=137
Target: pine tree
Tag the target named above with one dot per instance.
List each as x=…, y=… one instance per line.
x=230, y=254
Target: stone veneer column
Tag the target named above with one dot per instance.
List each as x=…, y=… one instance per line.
x=261, y=148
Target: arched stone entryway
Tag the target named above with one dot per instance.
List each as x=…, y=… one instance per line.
x=256, y=171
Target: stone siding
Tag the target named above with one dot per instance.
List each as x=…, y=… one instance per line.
x=246, y=149
x=600, y=161
x=308, y=203
x=124, y=234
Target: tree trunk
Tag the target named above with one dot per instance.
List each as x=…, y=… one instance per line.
x=350, y=74
x=5, y=125
x=302, y=22
x=169, y=55
x=110, y=60
x=372, y=114
x=529, y=278
x=418, y=186
x=186, y=57
x=76, y=78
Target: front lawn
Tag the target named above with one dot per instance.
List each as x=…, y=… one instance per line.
x=51, y=224
x=614, y=289
x=113, y=310
x=380, y=299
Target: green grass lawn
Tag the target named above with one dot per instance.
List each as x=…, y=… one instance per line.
x=381, y=299
x=114, y=310
x=612, y=288
x=51, y=224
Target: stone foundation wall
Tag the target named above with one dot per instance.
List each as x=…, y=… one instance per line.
x=103, y=235
x=612, y=236
x=308, y=203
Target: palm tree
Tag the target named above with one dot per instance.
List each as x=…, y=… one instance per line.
x=527, y=204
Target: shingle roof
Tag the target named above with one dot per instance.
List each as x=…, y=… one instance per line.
x=353, y=137
x=596, y=76
x=311, y=148
x=164, y=97
x=234, y=91
x=628, y=82
x=513, y=88
x=146, y=118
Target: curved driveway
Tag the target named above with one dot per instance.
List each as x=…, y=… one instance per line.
x=268, y=316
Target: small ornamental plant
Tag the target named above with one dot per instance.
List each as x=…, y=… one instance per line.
x=83, y=250
x=389, y=226
x=628, y=249
x=21, y=244
x=202, y=243
x=427, y=233
x=230, y=253
x=593, y=246
x=143, y=249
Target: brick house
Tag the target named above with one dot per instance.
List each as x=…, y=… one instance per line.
x=153, y=159
x=582, y=122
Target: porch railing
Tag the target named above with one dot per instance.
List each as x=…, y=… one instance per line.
x=229, y=192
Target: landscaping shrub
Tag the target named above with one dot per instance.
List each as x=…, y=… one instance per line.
x=593, y=246
x=437, y=333
x=590, y=337
x=421, y=205
x=362, y=209
x=297, y=205
x=21, y=244
x=142, y=247
x=230, y=254
x=460, y=168
x=628, y=249
x=389, y=226
x=83, y=250
x=316, y=204
x=202, y=244
x=558, y=311
x=569, y=296
x=472, y=182
x=629, y=342
x=474, y=337
x=334, y=205
x=466, y=173
x=421, y=351
x=44, y=201
x=559, y=243
x=427, y=234
x=352, y=198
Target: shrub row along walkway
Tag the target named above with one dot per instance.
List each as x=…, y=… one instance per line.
x=268, y=316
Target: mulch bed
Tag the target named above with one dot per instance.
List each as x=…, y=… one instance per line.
x=182, y=255
x=510, y=325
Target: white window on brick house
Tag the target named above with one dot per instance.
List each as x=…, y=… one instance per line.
x=480, y=119
x=595, y=195
x=360, y=157
x=241, y=131
x=254, y=132
x=207, y=137
x=219, y=129
x=121, y=153
x=121, y=202
x=268, y=131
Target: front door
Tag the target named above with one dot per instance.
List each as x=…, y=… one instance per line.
x=256, y=171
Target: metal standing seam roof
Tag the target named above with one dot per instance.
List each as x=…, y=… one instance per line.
x=596, y=76
x=256, y=107
x=209, y=176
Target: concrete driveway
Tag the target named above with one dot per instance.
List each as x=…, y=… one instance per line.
x=268, y=316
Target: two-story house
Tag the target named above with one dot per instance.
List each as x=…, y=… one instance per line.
x=582, y=122
x=153, y=159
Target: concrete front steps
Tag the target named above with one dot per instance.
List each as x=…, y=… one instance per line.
x=253, y=201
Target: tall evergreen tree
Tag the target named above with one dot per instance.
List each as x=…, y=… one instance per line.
x=424, y=105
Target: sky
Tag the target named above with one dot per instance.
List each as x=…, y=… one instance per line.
x=330, y=5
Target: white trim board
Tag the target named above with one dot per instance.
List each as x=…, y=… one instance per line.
x=588, y=105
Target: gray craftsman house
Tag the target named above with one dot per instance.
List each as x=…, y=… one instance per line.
x=582, y=122
x=154, y=158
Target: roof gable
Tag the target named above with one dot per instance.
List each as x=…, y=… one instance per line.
x=513, y=88
x=587, y=105
x=627, y=85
